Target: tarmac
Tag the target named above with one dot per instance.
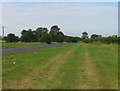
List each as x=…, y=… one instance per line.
x=20, y=49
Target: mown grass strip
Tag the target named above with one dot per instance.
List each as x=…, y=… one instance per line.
x=25, y=61
x=63, y=67
x=67, y=75
x=106, y=58
x=88, y=75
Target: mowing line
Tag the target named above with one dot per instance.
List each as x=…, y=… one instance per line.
x=49, y=71
x=66, y=77
x=107, y=66
x=42, y=74
x=91, y=74
x=88, y=74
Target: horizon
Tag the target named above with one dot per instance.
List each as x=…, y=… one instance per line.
x=73, y=18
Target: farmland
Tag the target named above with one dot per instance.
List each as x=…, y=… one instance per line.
x=71, y=66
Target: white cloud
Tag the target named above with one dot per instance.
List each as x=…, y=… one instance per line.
x=73, y=18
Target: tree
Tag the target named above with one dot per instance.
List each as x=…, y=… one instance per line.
x=40, y=33
x=75, y=40
x=44, y=33
x=60, y=37
x=66, y=39
x=114, y=35
x=11, y=38
x=84, y=35
x=28, y=36
x=48, y=38
x=70, y=39
x=100, y=36
x=119, y=40
x=94, y=36
x=54, y=31
x=23, y=32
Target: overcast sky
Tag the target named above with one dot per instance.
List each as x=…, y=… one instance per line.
x=72, y=18
x=60, y=0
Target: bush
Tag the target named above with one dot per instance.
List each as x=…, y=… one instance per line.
x=11, y=38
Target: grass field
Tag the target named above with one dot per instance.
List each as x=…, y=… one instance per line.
x=71, y=66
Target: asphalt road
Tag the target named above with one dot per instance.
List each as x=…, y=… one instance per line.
x=14, y=50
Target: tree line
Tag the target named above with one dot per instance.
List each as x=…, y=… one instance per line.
x=42, y=34
x=98, y=38
x=55, y=34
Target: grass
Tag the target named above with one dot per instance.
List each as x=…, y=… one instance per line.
x=83, y=66
x=101, y=67
x=107, y=62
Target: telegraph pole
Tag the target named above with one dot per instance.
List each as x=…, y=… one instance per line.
x=3, y=30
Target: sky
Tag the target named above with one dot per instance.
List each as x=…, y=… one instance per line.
x=72, y=17
x=60, y=0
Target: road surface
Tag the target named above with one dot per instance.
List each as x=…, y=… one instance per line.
x=14, y=50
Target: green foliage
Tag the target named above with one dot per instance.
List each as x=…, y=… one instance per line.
x=118, y=40
x=11, y=38
x=54, y=30
x=28, y=36
x=47, y=38
x=94, y=36
x=106, y=40
x=38, y=33
x=56, y=33
x=84, y=35
x=72, y=39
x=41, y=34
x=60, y=37
x=68, y=39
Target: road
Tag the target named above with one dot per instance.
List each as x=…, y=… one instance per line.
x=14, y=50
